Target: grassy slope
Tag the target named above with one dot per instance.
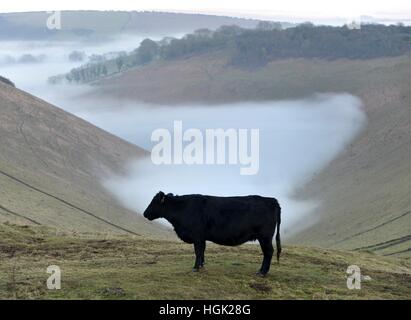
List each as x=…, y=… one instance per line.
x=125, y=268
x=51, y=164
x=365, y=191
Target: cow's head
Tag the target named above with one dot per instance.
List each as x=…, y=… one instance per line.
x=156, y=207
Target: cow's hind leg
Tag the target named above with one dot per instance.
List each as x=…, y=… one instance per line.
x=268, y=250
x=199, y=248
x=202, y=261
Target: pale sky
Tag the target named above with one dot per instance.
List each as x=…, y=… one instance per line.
x=393, y=9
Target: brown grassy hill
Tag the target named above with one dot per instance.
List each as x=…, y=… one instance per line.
x=51, y=163
x=365, y=192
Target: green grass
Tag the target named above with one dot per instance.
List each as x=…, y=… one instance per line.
x=94, y=267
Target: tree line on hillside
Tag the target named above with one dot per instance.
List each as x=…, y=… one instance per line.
x=93, y=71
x=256, y=47
x=269, y=42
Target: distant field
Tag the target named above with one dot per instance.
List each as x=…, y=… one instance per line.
x=97, y=25
x=210, y=79
x=98, y=267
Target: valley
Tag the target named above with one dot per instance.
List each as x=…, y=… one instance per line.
x=76, y=171
x=371, y=166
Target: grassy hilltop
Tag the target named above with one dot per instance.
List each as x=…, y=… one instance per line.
x=124, y=267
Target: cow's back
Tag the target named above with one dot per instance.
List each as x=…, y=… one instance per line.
x=235, y=220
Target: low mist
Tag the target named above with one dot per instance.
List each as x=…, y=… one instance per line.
x=29, y=64
x=297, y=139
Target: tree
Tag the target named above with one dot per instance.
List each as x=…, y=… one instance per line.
x=76, y=56
x=104, y=71
x=204, y=32
x=119, y=63
x=147, y=51
x=269, y=25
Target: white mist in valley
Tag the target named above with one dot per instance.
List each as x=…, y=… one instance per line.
x=297, y=139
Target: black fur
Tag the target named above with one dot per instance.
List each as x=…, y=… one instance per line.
x=229, y=221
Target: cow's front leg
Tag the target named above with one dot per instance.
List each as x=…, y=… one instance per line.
x=198, y=253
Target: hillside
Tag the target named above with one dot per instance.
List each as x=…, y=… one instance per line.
x=51, y=164
x=365, y=191
x=126, y=268
x=99, y=24
x=6, y=81
x=251, y=48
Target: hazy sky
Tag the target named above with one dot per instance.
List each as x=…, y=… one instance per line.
x=393, y=9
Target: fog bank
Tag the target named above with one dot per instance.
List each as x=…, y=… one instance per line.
x=297, y=139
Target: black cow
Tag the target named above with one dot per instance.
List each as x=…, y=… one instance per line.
x=226, y=221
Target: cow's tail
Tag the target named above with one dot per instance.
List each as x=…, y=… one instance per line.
x=277, y=236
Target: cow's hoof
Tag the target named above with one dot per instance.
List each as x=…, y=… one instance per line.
x=260, y=274
x=195, y=270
